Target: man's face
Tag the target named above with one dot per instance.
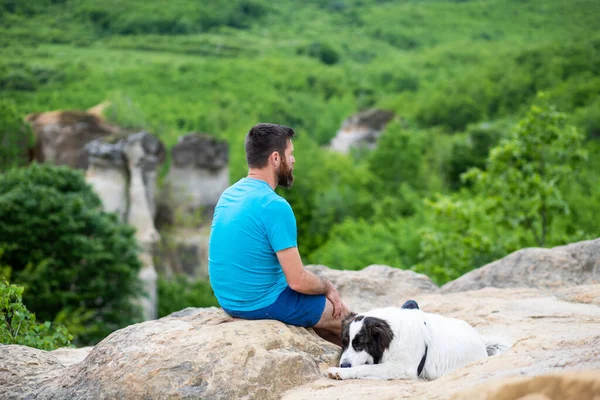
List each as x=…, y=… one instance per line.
x=285, y=174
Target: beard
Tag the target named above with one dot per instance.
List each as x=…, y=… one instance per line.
x=285, y=175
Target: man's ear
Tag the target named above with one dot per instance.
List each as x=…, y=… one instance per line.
x=275, y=156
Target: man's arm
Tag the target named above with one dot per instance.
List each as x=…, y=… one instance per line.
x=304, y=281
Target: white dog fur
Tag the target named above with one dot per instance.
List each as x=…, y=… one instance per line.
x=390, y=343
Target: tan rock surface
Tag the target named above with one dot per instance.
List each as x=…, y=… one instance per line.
x=555, y=268
x=548, y=335
x=376, y=285
x=196, y=353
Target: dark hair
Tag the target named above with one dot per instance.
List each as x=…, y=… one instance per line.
x=264, y=139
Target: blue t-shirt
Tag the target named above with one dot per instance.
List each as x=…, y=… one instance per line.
x=250, y=224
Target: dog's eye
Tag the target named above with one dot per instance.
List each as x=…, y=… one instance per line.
x=358, y=342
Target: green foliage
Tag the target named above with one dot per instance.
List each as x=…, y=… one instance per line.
x=19, y=326
x=70, y=255
x=15, y=137
x=472, y=151
x=456, y=243
x=513, y=203
x=321, y=51
x=524, y=173
x=398, y=157
x=179, y=292
x=355, y=244
x=180, y=66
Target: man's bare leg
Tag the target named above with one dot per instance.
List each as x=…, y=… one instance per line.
x=330, y=328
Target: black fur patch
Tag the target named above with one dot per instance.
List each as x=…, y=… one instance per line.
x=346, y=330
x=374, y=337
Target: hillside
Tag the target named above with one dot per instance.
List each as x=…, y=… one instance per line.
x=454, y=71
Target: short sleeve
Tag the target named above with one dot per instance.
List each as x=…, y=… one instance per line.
x=280, y=225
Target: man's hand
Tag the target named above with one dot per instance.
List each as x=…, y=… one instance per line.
x=304, y=281
x=339, y=307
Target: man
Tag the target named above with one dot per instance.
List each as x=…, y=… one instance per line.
x=254, y=265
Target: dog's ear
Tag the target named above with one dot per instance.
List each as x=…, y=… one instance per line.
x=347, y=319
x=411, y=305
x=381, y=329
x=345, y=329
x=380, y=335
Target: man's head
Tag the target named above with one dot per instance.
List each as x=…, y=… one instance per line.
x=270, y=145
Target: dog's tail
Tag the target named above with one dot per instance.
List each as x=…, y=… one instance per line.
x=495, y=345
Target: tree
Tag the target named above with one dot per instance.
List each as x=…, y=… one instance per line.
x=78, y=264
x=510, y=205
x=15, y=137
x=524, y=173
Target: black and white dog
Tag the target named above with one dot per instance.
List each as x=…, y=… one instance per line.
x=407, y=343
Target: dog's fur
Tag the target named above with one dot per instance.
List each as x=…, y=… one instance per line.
x=407, y=343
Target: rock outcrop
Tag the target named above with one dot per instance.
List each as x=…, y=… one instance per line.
x=361, y=130
x=376, y=285
x=204, y=353
x=123, y=174
x=198, y=174
x=199, y=171
x=62, y=135
x=558, y=267
x=191, y=354
x=548, y=335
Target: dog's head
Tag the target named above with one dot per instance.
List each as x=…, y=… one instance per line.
x=364, y=340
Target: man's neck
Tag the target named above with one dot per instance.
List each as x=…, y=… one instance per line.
x=264, y=175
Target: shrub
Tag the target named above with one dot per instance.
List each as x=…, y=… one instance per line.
x=16, y=137
x=524, y=172
x=181, y=292
x=471, y=152
x=324, y=52
x=75, y=261
x=18, y=325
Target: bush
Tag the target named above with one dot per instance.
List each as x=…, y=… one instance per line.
x=16, y=137
x=77, y=263
x=322, y=51
x=471, y=152
x=18, y=325
x=180, y=292
x=398, y=157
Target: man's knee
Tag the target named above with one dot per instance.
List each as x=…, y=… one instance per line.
x=327, y=320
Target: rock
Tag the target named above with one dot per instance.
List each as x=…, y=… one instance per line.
x=196, y=353
x=23, y=370
x=62, y=135
x=123, y=174
x=573, y=264
x=140, y=161
x=562, y=385
x=68, y=356
x=107, y=174
x=548, y=335
x=185, y=251
x=361, y=130
x=204, y=353
x=199, y=172
x=375, y=285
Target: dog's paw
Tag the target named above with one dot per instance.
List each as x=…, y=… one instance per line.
x=336, y=373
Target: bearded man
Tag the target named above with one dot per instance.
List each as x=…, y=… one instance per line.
x=255, y=269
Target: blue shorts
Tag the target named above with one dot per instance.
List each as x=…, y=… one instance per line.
x=290, y=307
